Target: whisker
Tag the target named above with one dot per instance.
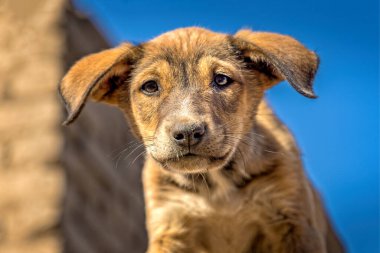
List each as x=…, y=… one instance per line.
x=142, y=153
x=130, y=153
x=192, y=177
x=243, y=158
x=119, y=156
x=205, y=182
x=123, y=149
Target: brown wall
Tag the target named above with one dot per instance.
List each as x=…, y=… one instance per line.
x=70, y=189
x=31, y=178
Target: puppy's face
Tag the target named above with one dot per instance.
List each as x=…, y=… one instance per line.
x=192, y=99
x=191, y=94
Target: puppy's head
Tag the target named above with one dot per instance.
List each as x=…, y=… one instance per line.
x=190, y=94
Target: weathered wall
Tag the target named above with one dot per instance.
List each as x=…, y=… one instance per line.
x=30, y=176
x=77, y=181
x=103, y=209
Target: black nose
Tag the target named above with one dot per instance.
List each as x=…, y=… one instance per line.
x=188, y=135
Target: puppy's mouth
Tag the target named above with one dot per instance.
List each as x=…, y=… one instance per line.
x=189, y=155
x=196, y=156
x=193, y=163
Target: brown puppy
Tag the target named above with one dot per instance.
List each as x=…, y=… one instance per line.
x=222, y=173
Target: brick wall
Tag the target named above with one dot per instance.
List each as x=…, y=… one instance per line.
x=62, y=189
x=30, y=175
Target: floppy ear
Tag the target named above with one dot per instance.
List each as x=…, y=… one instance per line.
x=279, y=57
x=97, y=76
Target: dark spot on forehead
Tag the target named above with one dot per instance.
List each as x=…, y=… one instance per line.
x=176, y=57
x=184, y=70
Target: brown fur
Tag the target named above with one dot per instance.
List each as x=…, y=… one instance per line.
x=242, y=188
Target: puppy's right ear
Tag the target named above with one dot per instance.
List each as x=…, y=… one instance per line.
x=97, y=76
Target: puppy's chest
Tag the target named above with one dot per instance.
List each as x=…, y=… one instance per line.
x=223, y=226
x=211, y=214
x=217, y=217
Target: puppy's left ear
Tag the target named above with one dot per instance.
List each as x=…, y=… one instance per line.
x=279, y=57
x=97, y=76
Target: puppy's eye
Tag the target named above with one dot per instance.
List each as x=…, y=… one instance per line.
x=222, y=80
x=150, y=88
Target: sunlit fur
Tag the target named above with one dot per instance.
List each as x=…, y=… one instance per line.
x=243, y=188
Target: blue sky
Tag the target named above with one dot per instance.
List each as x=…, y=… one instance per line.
x=339, y=132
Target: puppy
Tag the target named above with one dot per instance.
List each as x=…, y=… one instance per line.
x=222, y=173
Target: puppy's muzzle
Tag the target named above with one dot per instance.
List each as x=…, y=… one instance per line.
x=188, y=135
